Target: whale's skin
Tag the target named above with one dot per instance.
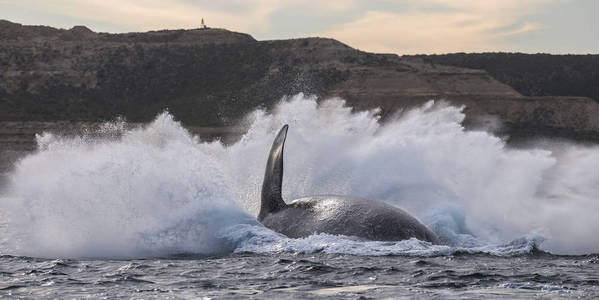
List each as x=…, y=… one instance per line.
x=350, y=216
x=332, y=214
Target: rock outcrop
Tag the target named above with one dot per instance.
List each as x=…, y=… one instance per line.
x=533, y=74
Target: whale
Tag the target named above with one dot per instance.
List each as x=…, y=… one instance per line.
x=331, y=214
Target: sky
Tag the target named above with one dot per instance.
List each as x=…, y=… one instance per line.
x=382, y=26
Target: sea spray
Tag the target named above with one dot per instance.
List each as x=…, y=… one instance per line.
x=144, y=192
x=468, y=186
x=158, y=190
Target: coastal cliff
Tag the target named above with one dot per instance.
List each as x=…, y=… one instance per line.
x=533, y=74
x=212, y=77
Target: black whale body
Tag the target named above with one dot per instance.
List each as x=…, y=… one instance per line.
x=350, y=216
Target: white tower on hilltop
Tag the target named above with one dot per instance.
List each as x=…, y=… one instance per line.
x=203, y=25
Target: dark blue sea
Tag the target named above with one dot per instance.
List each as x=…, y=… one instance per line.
x=305, y=276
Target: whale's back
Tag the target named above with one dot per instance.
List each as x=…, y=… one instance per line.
x=350, y=216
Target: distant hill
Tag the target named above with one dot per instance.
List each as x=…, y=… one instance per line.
x=533, y=74
x=212, y=77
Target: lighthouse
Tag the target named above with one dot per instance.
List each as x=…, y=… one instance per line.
x=203, y=25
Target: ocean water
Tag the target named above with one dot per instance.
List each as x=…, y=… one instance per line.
x=157, y=212
x=305, y=276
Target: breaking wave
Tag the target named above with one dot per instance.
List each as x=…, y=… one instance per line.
x=159, y=191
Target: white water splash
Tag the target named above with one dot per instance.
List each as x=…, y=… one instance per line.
x=258, y=239
x=159, y=191
x=150, y=192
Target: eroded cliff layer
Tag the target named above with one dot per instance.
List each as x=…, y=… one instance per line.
x=212, y=77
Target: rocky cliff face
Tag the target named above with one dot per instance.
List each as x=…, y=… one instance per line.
x=533, y=74
x=212, y=77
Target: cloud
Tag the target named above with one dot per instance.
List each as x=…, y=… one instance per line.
x=454, y=26
x=396, y=26
x=142, y=15
x=157, y=14
x=526, y=27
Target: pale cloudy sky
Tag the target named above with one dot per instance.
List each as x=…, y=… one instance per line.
x=393, y=26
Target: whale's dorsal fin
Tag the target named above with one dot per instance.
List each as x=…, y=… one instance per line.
x=272, y=200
